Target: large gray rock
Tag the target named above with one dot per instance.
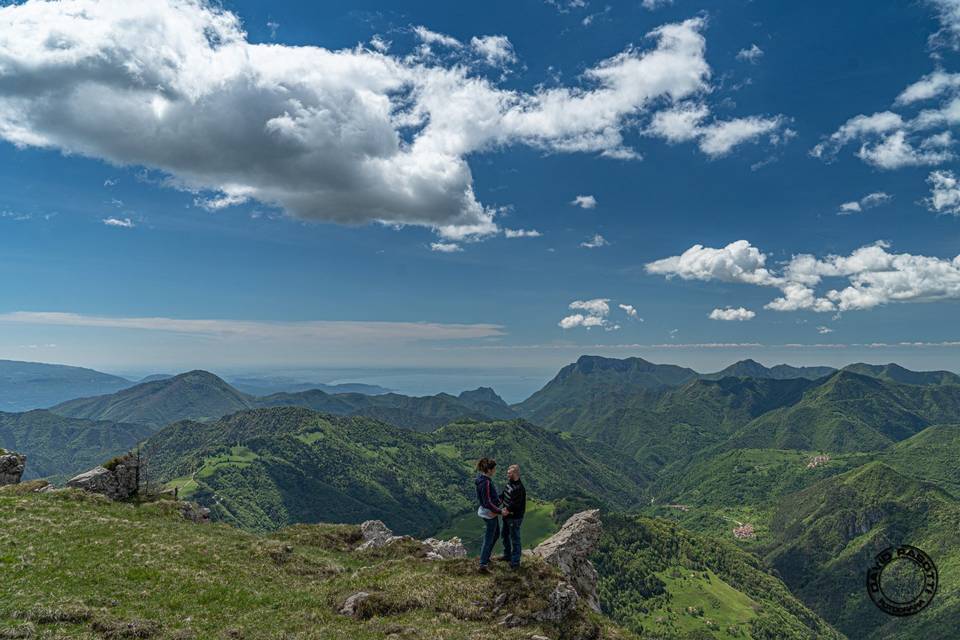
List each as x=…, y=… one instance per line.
x=118, y=482
x=569, y=549
x=11, y=467
x=376, y=535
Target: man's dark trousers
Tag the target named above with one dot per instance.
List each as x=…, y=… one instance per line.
x=511, y=540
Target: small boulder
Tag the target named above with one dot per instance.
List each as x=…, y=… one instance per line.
x=569, y=549
x=352, y=603
x=195, y=513
x=11, y=467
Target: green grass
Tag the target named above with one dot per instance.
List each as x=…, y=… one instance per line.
x=77, y=566
x=538, y=525
x=700, y=600
x=239, y=456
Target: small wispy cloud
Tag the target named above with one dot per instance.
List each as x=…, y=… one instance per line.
x=824, y=330
x=868, y=201
x=595, y=242
x=123, y=223
x=653, y=5
x=584, y=202
x=16, y=216
x=521, y=233
x=445, y=247
x=751, y=55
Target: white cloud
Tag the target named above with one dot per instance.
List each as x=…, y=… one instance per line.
x=824, y=330
x=353, y=136
x=731, y=314
x=595, y=307
x=944, y=193
x=868, y=201
x=890, y=140
x=683, y=123
x=595, y=242
x=653, y=5
x=521, y=233
x=751, y=55
x=564, y=6
x=948, y=11
x=595, y=314
x=679, y=124
x=630, y=311
x=721, y=137
x=379, y=43
x=927, y=87
x=495, y=50
x=125, y=223
x=432, y=37
x=584, y=202
x=244, y=330
x=895, y=151
x=874, y=275
x=445, y=247
x=737, y=262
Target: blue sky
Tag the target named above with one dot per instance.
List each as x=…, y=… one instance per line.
x=276, y=185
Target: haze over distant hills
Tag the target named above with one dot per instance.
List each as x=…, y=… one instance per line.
x=33, y=385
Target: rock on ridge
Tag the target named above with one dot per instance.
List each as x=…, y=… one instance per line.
x=376, y=534
x=569, y=549
x=11, y=467
x=117, y=480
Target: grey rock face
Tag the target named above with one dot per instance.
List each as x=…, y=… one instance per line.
x=562, y=601
x=117, y=483
x=445, y=549
x=11, y=467
x=568, y=550
x=376, y=535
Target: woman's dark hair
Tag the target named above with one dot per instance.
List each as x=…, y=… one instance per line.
x=485, y=465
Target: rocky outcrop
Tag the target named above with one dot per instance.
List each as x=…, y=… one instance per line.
x=561, y=602
x=11, y=467
x=445, y=549
x=117, y=480
x=569, y=549
x=194, y=513
x=376, y=534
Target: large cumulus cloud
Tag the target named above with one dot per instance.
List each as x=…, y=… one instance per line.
x=351, y=136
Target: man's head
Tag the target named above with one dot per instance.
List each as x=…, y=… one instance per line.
x=513, y=472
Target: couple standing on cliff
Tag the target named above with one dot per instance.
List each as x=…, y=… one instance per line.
x=510, y=505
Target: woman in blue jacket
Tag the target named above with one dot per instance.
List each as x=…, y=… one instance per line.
x=489, y=509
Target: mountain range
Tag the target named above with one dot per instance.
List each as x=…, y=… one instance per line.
x=816, y=469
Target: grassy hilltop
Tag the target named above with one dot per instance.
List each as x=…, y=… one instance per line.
x=77, y=566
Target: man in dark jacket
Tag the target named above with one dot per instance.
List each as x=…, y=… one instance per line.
x=514, y=502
